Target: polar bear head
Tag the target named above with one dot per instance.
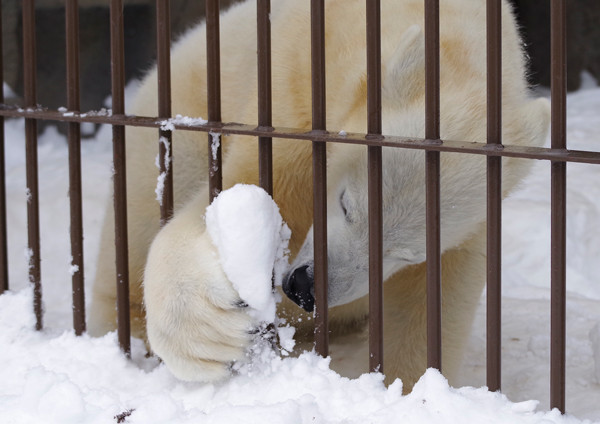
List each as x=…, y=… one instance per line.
x=463, y=209
x=463, y=176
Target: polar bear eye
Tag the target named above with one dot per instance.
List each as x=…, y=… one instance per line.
x=343, y=205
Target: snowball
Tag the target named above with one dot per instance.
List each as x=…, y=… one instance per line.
x=160, y=180
x=246, y=228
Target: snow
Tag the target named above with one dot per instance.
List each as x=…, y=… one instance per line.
x=102, y=112
x=57, y=377
x=246, y=228
x=73, y=268
x=53, y=376
x=214, y=145
x=160, y=180
x=169, y=124
x=214, y=148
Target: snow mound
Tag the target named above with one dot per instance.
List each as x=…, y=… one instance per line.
x=57, y=377
x=53, y=376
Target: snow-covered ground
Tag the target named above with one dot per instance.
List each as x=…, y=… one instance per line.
x=54, y=377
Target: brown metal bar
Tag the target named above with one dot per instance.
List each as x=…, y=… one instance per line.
x=265, y=111
x=33, y=220
x=558, y=204
x=119, y=176
x=74, y=141
x=233, y=128
x=319, y=156
x=494, y=194
x=374, y=129
x=165, y=145
x=3, y=235
x=320, y=248
x=213, y=77
x=432, y=176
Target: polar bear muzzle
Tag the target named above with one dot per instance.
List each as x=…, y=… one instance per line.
x=299, y=286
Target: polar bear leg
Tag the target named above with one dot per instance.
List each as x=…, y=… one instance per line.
x=405, y=312
x=141, y=231
x=196, y=321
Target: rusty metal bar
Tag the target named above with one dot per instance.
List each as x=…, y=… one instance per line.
x=432, y=176
x=213, y=78
x=319, y=156
x=165, y=145
x=3, y=235
x=374, y=129
x=74, y=141
x=120, y=176
x=494, y=194
x=265, y=111
x=558, y=204
x=233, y=128
x=33, y=220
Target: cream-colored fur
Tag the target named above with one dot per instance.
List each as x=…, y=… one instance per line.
x=192, y=319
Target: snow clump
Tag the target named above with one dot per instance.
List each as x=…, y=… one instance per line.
x=251, y=238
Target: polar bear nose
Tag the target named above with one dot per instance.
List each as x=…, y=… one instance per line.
x=299, y=288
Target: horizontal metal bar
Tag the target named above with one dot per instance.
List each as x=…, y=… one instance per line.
x=526, y=152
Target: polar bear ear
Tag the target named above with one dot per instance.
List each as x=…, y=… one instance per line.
x=405, y=69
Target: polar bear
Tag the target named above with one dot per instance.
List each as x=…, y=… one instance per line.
x=195, y=320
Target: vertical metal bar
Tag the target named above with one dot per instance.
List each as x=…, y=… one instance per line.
x=265, y=112
x=165, y=145
x=374, y=128
x=74, y=140
x=494, y=194
x=3, y=235
x=319, y=155
x=432, y=176
x=213, y=78
x=33, y=220
x=119, y=176
x=558, y=204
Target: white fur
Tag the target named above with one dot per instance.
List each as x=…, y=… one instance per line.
x=194, y=322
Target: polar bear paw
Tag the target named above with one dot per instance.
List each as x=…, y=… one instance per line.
x=196, y=321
